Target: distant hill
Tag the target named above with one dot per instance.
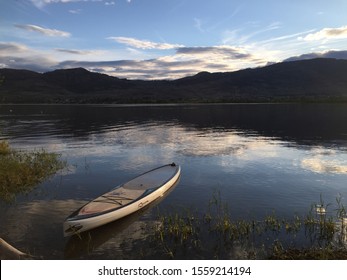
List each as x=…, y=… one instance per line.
x=320, y=79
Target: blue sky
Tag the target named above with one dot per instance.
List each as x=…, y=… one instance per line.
x=167, y=39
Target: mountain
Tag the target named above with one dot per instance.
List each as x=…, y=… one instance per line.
x=320, y=79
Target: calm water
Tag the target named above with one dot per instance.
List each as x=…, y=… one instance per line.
x=261, y=158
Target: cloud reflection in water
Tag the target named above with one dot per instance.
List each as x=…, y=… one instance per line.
x=324, y=160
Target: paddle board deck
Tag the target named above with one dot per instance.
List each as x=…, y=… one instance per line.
x=123, y=200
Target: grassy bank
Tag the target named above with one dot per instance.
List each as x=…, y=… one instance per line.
x=20, y=171
x=216, y=235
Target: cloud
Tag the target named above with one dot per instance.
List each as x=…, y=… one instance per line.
x=326, y=34
x=42, y=3
x=185, y=61
x=35, y=63
x=222, y=58
x=240, y=37
x=7, y=48
x=43, y=31
x=78, y=52
x=325, y=54
x=225, y=51
x=143, y=44
x=161, y=68
x=77, y=11
x=198, y=24
x=286, y=37
x=19, y=56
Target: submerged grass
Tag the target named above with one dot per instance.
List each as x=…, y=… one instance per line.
x=21, y=171
x=215, y=235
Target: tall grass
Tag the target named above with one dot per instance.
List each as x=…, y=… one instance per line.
x=215, y=234
x=20, y=171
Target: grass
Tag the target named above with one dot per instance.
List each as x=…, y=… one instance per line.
x=215, y=235
x=21, y=172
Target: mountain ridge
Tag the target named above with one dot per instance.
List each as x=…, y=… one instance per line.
x=318, y=79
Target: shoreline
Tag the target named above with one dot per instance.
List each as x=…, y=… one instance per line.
x=174, y=103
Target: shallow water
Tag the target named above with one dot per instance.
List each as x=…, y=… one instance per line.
x=260, y=157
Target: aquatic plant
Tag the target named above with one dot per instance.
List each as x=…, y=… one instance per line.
x=215, y=234
x=4, y=148
x=21, y=171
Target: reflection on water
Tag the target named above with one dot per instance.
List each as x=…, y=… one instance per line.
x=262, y=158
x=36, y=226
x=341, y=233
x=325, y=161
x=113, y=240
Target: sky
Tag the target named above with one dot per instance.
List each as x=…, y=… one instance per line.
x=167, y=39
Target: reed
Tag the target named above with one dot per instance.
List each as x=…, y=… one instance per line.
x=4, y=148
x=20, y=171
x=215, y=234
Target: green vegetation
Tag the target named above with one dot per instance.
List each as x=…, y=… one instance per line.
x=20, y=172
x=215, y=235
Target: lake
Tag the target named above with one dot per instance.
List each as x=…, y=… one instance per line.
x=260, y=158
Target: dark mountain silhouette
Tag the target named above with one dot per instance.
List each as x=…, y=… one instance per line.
x=79, y=80
x=320, y=79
